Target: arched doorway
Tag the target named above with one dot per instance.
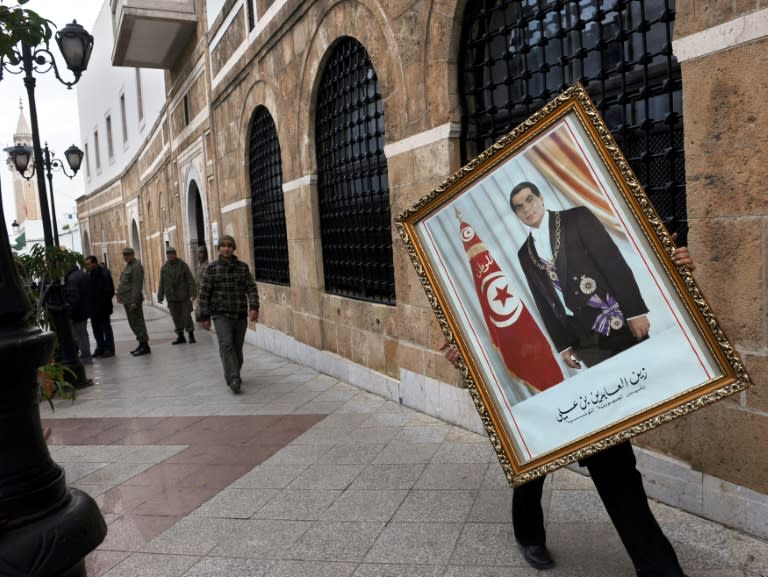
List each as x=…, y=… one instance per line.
x=86, y=244
x=195, y=218
x=136, y=239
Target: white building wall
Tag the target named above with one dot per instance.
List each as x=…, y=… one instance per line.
x=99, y=97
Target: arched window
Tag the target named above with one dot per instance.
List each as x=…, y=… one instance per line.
x=518, y=54
x=355, y=222
x=270, y=240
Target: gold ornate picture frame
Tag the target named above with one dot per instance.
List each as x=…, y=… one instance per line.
x=546, y=264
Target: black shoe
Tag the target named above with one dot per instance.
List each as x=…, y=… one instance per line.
x=537, y=556
x=97, y=353
x=107, y=354
x=142, y=350
x=192, y=337
x=234, y=384
x=134, y=351
x=180, y=340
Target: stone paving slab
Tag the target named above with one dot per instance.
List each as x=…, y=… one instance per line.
x=305, y=475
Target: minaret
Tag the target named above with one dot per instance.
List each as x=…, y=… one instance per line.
x=25, y=191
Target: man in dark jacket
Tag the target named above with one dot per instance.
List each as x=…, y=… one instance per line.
x=178, y=287
x=102, y=291
x=77, y=293
x=592, y=309
x=228, y=296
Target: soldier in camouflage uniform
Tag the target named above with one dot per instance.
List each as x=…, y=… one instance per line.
x=129, y=293
x=178, y=287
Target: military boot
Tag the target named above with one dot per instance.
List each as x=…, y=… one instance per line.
x=142, y=350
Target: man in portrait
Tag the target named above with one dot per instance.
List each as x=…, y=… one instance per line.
x=584, y=290
x=592, y=309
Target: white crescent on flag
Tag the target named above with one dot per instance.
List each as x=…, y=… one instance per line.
x=505, y=306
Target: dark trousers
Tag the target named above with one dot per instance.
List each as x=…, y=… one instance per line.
x=102, y=333
x=181, y=313
x=136, y=322
x=231, y=335
x=620, y=486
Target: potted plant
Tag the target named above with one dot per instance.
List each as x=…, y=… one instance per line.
x=38, y=270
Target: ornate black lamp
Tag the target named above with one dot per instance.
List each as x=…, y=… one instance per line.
x=46, y=528
x=20, y=156
x=76, y=45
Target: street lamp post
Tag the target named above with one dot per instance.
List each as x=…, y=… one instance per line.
x=20, y=156
x=55, y=304
x=46, y=528
x=75, y=44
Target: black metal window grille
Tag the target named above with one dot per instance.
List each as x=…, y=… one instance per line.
x=251, y=14
x=270, y=239
x=355, y=223
x=518, y=54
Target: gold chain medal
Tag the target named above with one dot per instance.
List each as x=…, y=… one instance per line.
x=587, y=285
x=550, y=270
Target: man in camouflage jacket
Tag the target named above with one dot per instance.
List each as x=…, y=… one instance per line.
x=129, y=293
x=178, y=287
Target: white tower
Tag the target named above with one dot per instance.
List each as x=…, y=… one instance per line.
x=25, y=191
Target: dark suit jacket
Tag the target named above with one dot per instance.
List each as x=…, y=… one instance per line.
x=586, y=251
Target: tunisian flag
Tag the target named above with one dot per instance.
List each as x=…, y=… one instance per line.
x=514, y=332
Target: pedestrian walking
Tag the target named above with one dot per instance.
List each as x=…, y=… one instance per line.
x=102, y=291
x=200, y=265
x=130, y=295
x=178, y=287
x=77, y=294
x=620, y=487
x=228, y=296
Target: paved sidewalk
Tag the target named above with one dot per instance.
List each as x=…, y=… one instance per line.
x=305, y=475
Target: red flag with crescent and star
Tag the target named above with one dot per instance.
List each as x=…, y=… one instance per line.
x=514, y=332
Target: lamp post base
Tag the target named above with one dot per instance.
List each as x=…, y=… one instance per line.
x=66, y=354
x=46, y=529
x=54, y=545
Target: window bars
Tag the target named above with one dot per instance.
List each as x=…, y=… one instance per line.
x=355, y=224
x=518, y=54
x=270, y=240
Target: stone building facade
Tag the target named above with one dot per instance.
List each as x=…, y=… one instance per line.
x=194, y=177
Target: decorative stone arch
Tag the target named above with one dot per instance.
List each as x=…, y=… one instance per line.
x=136, y=239
x=196, y=213
x=373, y=31
x=261, y=94
x=132, y=219
x=441, y=61
x=87, y=243
x=268, y=95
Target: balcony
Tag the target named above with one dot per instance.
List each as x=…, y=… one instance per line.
x=151, y=33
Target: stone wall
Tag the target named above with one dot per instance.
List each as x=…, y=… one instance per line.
x=726, y=111
x=413, y=46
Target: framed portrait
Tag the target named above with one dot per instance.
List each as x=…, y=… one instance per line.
x=548, y=267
